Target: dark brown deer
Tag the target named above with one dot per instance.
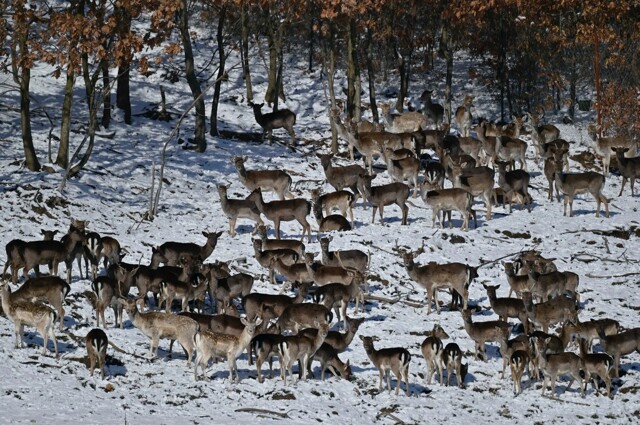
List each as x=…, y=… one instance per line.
x=282, y=118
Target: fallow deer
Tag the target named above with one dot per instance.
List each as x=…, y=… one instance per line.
x=276, y=181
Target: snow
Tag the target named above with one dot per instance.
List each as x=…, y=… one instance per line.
x=112, y=193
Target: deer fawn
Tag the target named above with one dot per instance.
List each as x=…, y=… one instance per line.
x=96, y=342
x=395, y=359
x=282, y=118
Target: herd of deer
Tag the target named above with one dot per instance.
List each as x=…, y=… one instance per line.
x=294, y=330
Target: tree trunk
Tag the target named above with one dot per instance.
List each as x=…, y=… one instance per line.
x=330, y=50
x=199, y=140
x=446, y=44
x=123, y=98
x=274, y=40
x=65, y=126
x=106, y=102
x=372, y=77
x=22, y=76
x=216, y=90
x=244, y=50
x=353, y=74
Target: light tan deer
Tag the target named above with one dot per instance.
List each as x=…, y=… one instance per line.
x=556, y=310
x=452, y=361
x=237, y=208
x=446, y=200
x=213, y=344
x=300, y=347
x=388, y=194
x=287, y=210
x=96, y=342
x=433, y=276
x=578, y=183
x=487, y=137
x=604, y=147
x=512, y=129
x=157, y=325
x=27, y=313
x=629, y=168
x=276, y=181
x=619, y=345
x=172, y=253
x=49, y=289
x=282, y=118
x=386, y=360
x=342, y=177
x=345, y=133
x=404, y=122
x=482, y=332
x=478, y=181
x=463, y=116
x=431, y=349
x=370, y=145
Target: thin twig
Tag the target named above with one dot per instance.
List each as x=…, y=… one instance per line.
x=284, y=415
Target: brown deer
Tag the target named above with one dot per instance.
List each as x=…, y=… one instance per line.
x=388, y=194
x=395, y=359
x=96, y=342
x=237, y=208
x=463, y=116
x=276, y=181
x=170, y=253
x=286, y=210
x=282, y=118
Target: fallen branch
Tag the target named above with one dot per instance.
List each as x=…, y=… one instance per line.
x=381, y=299
x=594, y=257
x=264, y=411
x=593, y=276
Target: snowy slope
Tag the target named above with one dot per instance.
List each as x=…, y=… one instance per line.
x=112, y=193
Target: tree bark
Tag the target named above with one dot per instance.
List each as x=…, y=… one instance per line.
x=123, y=98
x=274, y=40
x=353, y=74
x=22, y=76
x=330, y=50
x=106, y=102
x=371, y=76
x=213, y=131
x=65, y=126
x=199, y=140
x=244, y=50
x=446, y=44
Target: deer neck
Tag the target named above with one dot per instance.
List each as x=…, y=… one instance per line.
x=317, y=211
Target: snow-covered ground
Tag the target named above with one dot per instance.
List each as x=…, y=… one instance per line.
x=112, y=193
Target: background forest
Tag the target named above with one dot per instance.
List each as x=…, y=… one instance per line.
x=544, y=56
